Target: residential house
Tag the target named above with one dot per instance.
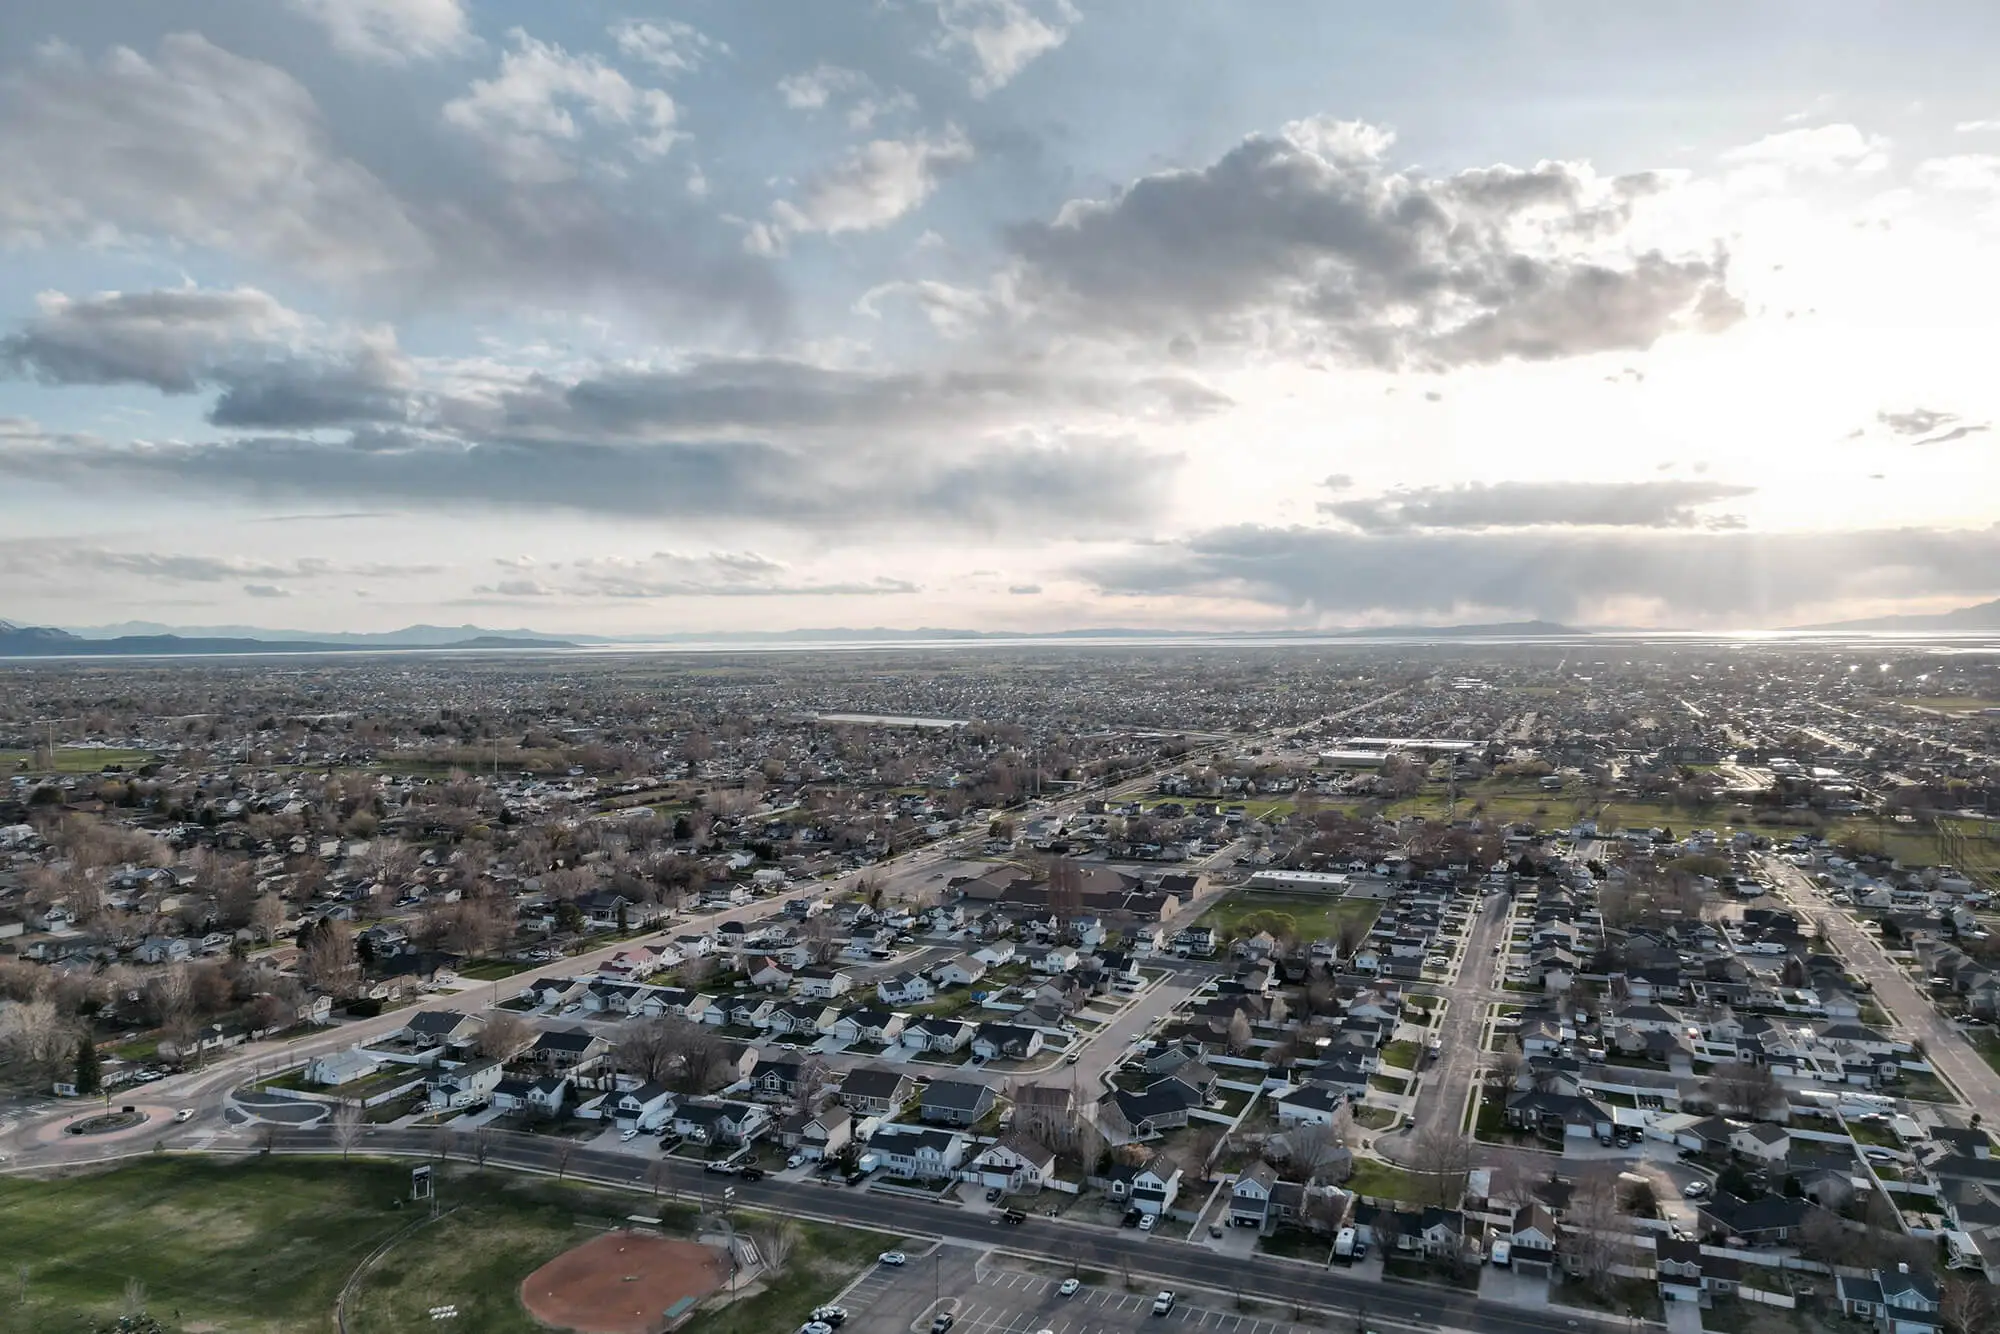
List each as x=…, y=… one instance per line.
x=1313, y=1104
x=904, y=988
x=1151, y=1187
x=823, y=982
x=342, y=1067
x=1898, y=1301
x=1761, y=1140
x=1532, y=1240
x=994, y=1042
x=439, y=1028
x=571, y=1050
x=785, y=1078
x=956, y=1102
x=939, y=1035
x=818, y=1134
x=867, y=1025
x=803, y=1017
x=1015, y=1163
x=767, y=974
x=1686, y=1275
x=919, y=1152
x=1250, y=1197
x=875, y=1091
x=717, y=1121
x=467, y=1085
x=642, y=1106
x=963, y=971
x=1053, y=961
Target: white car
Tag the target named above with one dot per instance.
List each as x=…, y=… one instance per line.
x=816, y=1327
x=1069, y=1287
x=1146, y=1222
x=627, y=1136
x=893, y=1258
x=796, y=1160
x=184, y=1114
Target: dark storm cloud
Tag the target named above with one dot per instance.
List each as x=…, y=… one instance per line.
x=1740, y=577
x=1308, y=237
x=1476, y=505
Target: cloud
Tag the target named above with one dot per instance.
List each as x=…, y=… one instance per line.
x=196, y=148
x=1337, y=481
x=272, y=366
x=1928, y=426
x=1306, y=241
x=667, y=574
x=1024, y=590
x=1822, y=150
x=1032, y=484
x=1977, y=126
x=1963, y=173
x=197, y=144
x=779, y=396
x=391, y=32
x=873, y=186
x=518, y=588
x=1002, y=37
x=525, y=114
x=172, y=340
x=667, y=45
x=1729, y=578
x=824, y=86
x=266, y=591
x=42, y=560
x=1480, y=505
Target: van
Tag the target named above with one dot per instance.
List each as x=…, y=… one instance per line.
x=1503, y=1252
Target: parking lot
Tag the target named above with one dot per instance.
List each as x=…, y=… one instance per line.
x=989, y=1298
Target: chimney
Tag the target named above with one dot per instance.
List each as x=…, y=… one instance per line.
x=1902, y=1266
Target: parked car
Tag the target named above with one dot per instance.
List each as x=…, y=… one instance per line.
x=831, y=1315
x=1015, y=1216
x=993, y=1193
x=1694, y=1190
x=1164, y=1302
x=796, y=1160
x=816, y=1327
x=1071, y=1058
x=1069, y=1287
x=893, y=1258
x=1147, y=1221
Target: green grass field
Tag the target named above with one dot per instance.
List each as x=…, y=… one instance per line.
x=264, y=1247
x=71, y=760
x=1312, y=916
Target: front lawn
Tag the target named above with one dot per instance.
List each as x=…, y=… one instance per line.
x=1305, y=916
x=1388, y=1084
x=1404, y=1054
x=1383, y=1181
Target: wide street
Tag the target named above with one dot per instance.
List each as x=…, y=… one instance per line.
x=1944, y=1046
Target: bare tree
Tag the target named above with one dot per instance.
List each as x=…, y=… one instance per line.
x=1746, y=1089
x=1238, y=1036
x=502, y=1035
x=37, y=1041
x=1311, y=1150
x=134, y=1304
x=1596, y=1234
x=1968, y=1306
x=327, y=960
x=565, y=1150
x=482, y=1146
x=348, y=1124
x=1504, y=1069
x=1443, y=1157
x=775, y=1246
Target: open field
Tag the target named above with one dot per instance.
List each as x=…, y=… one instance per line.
x=71, y=760
x=264, y=1247
x=1312, y=916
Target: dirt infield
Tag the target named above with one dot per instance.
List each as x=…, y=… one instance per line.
x=620, y=1283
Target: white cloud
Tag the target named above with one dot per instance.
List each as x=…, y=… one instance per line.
x=1969, y=173
x=195, y=145
x=1002, y=37
x=1977, y=126
x=1822, y=150
x=667, y=45
x=876, y=184
x=525, y=113
x=391, y=32
x=824, y=86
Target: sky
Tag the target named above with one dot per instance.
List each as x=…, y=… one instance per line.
x=630, y=318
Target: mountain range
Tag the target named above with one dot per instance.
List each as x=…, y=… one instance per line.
x=45, y=641
x=148, y=638
x=1981, y=618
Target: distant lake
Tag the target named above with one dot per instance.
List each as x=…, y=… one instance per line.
x=887, y=720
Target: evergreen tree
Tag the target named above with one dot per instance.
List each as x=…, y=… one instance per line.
x=89, y=1079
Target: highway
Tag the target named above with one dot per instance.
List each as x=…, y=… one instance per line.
x=1172, y=1263
x=1945, y=1047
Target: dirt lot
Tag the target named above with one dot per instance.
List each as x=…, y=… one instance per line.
x=621, y=1283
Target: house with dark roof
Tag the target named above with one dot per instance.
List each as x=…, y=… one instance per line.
x=1766, y=1221
x=919, y=1152
x=1250, y=1197
x=875, y=1090
x=1568, y=1115
x=438, y=1028
x=940, y=1035
x=956, y=1102
x=1684, y=1274
x=1895, y=1301
x=570, y=1050
x=1315, y=1103
x=1149, y=1187
x=1015, y=1163
x=1009, y=1042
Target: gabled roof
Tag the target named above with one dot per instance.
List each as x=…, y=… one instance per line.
x=957, y=1095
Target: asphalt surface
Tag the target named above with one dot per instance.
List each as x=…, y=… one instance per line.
x=1945, y=1047
x=1446, y=1084
x=1156, y=1259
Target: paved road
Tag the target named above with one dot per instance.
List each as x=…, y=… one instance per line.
x=1947, y=1049
x=1115, y=1251
x=1446, y=1085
